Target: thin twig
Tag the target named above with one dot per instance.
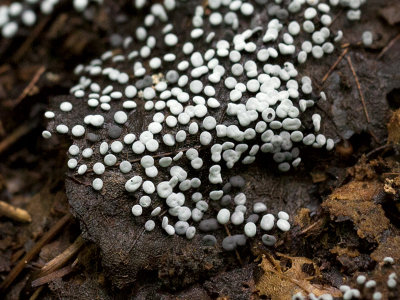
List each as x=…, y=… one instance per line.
x=50, y=277
x=390, y=174
x=77, y=181
x=15, y=213
x=374, y=136
x=333, y=67
x=358, y=87
x=16, y=255
x=305, y=230
x=384, y=147
x=36, y=293
x=136, y=240
x=61, y=259
x=28, y=88
x=222, y=118
x=388, y=46
x=28, y=42
x=336, y=17
x=34, y=251
x=16, y=135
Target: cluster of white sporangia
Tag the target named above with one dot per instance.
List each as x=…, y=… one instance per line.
x=366, y=288
x=25, y=13
x=184, y=98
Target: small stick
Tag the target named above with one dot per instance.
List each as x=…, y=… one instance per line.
x=29, y=87
x=336, y=17
x=391, y=174
x=388, y=46
x=36, y=293
x=34, y=251
x=358, y=87
x=305, y=230
x=27, y=43
x=15, y=213
x=61, y=259
x=50, y=277
x=77, y=181
x=16, y=255
x=374, y=136
x=384, y=147
x=136, y=240
x=15, y=135
x=222, y=118
x=333, y=67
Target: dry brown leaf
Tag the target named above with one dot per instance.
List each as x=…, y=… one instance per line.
x=281, y=284
x=354, y=201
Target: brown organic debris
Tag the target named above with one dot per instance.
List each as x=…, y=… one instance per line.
x=318, y=176
x=354, y=202
x=345, y=251
x=364, y=169
x=34, y=251
x=52, y=276
x=280, y=284
x=392, y=186
x=61, y=259
x=390, y=247
x=302, y=218
x=30, y=88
